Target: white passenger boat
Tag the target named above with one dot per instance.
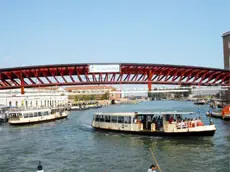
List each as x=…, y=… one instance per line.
x=21, y=117
x=153, y=124
x=75, y=107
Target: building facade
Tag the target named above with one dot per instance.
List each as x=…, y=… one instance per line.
x=226, y=49
x=42, y=97
x=97, y=90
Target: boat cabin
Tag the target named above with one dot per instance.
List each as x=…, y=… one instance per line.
x=17, y=114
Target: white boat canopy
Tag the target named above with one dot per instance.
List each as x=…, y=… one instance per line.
x=144, y=113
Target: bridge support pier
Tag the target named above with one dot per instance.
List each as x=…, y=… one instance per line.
x=149, y=83
x=22, y=83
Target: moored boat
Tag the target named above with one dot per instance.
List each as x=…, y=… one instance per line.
x=226, y=112
x=199, y=102
x=31, y=116
x=214, y=114
x=152, y=124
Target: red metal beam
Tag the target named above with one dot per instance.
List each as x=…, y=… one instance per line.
x=135, y=74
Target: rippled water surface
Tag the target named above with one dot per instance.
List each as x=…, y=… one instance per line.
x=72, y=145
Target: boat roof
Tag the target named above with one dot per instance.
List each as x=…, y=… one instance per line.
x=27, y=110
x=143, y=113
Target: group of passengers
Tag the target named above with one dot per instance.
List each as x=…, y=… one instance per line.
x=158, y=121
x=187, y=122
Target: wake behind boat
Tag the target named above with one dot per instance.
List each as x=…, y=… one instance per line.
x=152, y=124
x=31, y=116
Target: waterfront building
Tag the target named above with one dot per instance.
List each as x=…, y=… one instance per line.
x=37, y=97
x=226, y=49
x=97, y=90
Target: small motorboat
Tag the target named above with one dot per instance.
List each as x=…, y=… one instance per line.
x=215, y=114
x=199, y=102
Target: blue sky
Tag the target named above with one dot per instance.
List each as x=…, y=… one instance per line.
x=96, y=31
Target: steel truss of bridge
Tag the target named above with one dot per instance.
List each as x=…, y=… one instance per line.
x=80, y=74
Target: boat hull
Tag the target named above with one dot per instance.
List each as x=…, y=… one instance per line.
x=215, y=115
x=161, y=133
x=39, y=121
x=226, y=117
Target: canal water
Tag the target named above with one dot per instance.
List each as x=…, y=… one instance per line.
x=71, y=145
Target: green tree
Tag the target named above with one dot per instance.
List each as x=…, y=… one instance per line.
x=105, y=96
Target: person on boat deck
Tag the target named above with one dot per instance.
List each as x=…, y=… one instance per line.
x=152, y=168
x=171, y=119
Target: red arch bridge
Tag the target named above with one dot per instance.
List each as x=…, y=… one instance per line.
x=104, y=73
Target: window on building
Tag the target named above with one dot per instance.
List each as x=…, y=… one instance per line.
x=228, y=44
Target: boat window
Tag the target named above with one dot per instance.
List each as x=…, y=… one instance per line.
x=25, y=115
x=114, y=119
x=102, y=118
x=167, y=117
x=46, y=113
x=31, y=115
x=35, y=114
x=107, y=118
x=127, y=119
x=20, y=115
x=120, y=119
x=97, y=118
x=40, y=113
x=13, y=115
x=178, y=117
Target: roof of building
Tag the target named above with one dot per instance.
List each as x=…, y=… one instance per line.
x=91, y=87
x=226, y=34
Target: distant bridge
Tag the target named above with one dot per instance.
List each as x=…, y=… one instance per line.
x=104, y=73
